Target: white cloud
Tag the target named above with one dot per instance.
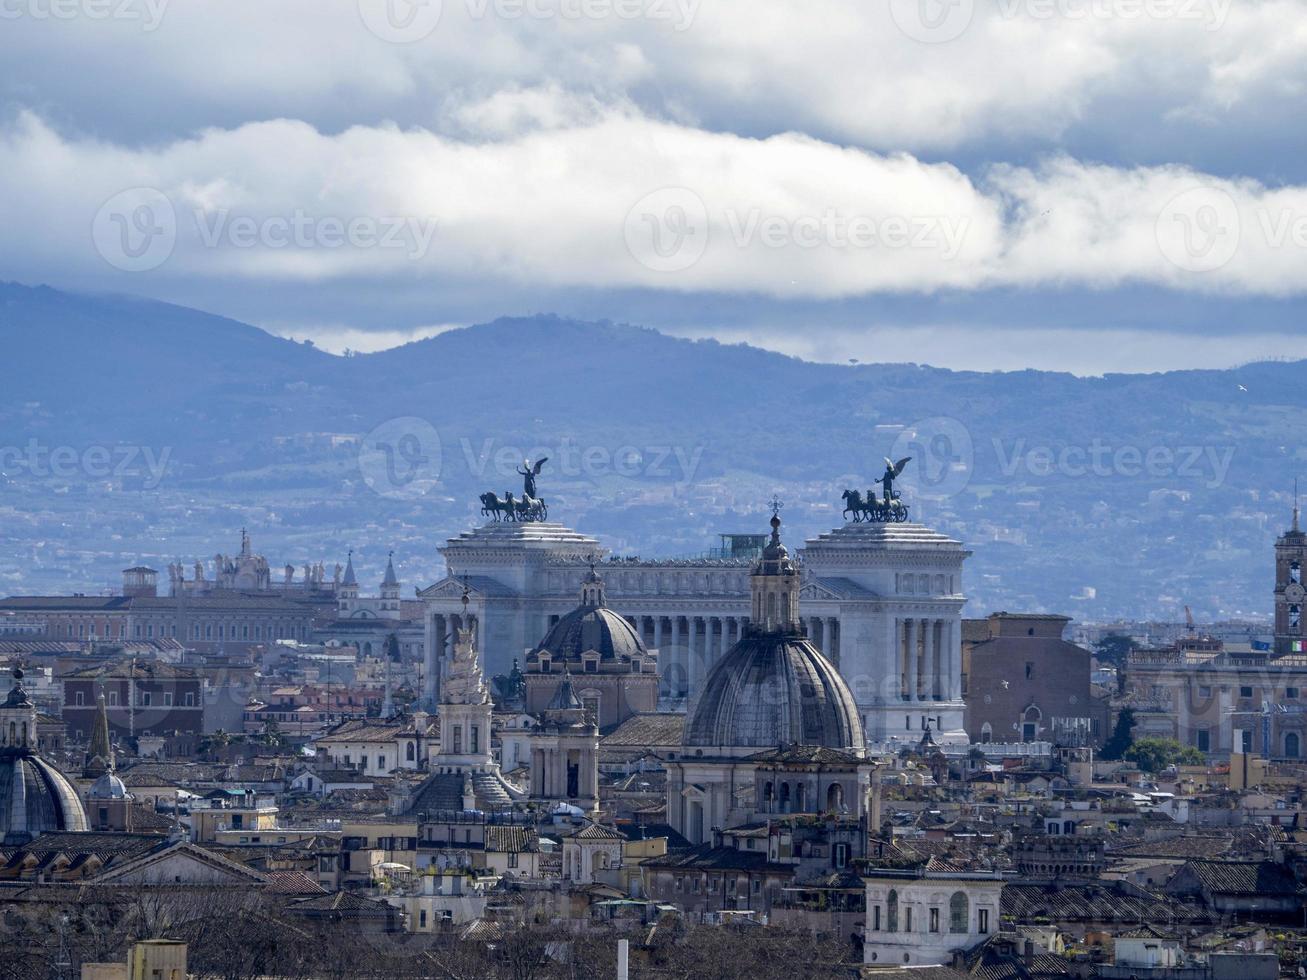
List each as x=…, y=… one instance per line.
x=850, y=72
x=619, y=200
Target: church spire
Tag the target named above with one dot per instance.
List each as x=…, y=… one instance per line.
x=350, y=578
x=99, y=754
x=775, y=583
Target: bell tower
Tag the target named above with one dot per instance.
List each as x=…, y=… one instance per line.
x=1290, y=597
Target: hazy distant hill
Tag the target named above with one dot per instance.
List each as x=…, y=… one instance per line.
x=1153, y=490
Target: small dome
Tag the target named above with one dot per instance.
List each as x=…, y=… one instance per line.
x=592, y=628
x=775, y=688
x=108, y=787
x=35, y=797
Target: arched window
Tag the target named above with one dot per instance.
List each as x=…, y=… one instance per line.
x=800, y=797
x=768, y=794
x=892, y=911
x=411, y=752
x=986, y=733
x=835, y=797
x=958, y=913
x=1292, y=745
x=785, y=797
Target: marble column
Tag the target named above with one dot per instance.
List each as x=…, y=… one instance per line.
x=911, y=660
x=932, y=659
x=658, y=632
x=832, y=650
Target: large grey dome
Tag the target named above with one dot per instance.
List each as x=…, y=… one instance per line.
x=35, y=797
x=775, y=688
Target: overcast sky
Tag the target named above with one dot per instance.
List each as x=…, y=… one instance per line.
x=1085, y=185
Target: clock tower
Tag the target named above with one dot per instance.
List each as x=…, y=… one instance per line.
x=1290, y=597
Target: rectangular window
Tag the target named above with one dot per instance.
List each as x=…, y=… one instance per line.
x=475, y=736
x=934, y=920
x=875, y=918
x=1291, y=693
x=982, y=921
x=1203, y=740
x=1245, y=692
x=512, y=859
x=167, y=700
x=381, y=763
x=113, y=697
x=190, y=699
x=145, y=699
x=1204, y=691
x=907, y=919
x=458, y=739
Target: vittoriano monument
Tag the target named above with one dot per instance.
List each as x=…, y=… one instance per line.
x=887, y=510
x=528, y=507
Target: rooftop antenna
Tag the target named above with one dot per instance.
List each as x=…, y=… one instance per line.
x=1295, y=504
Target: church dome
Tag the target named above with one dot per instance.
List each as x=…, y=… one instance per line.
x=775, y=688
x=35, y=797
x=592, y=626
x=108, y=787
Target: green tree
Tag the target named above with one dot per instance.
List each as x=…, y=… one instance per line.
x=1115, y=649
x=1119, y=742
x=1155, y=754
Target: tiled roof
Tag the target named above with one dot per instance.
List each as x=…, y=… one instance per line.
x=597, y=832
x=293, y=883
x=705, y=857
x=512, y=839
x=813, y=754
x=1243, y=877
x=1110, y=902
x=1183, y=846
x=647, y=731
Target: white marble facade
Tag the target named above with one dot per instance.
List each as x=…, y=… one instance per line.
x=881, y=601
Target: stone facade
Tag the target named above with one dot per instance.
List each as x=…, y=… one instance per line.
x=883, y=602
x=920, y=917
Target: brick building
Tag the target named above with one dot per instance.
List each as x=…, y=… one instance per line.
x=1025, y=683
x=146, y=698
